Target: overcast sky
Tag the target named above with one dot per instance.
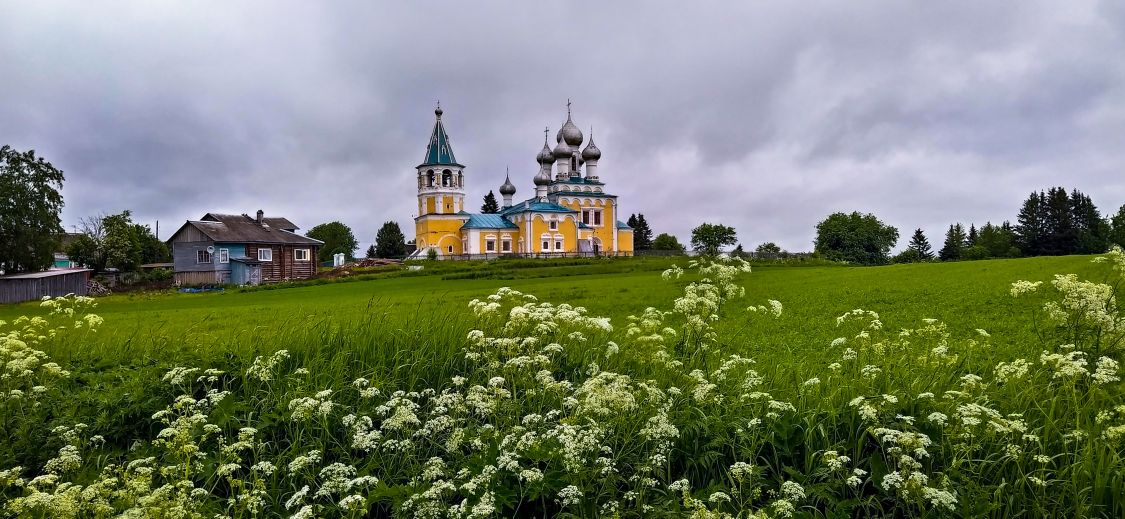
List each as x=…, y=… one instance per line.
x=766, y=116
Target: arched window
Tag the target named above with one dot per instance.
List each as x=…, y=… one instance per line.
x=446, y=178
x=430, y=178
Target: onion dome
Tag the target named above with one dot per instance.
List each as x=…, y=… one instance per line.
x=507, y=188
x=591, y=152
x=543, y=178
x=545, y=156
x=562, y=151
x=569, y=133
x=438, y=111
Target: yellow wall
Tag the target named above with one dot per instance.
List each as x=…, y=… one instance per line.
x=440, y=233
x=430, y=206
x=512, y=233
x=625, y=241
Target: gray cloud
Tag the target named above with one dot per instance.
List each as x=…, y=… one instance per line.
x=763, y=116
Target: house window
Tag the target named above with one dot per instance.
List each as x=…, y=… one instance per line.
x=265, y=254
x=554, y=225
x=506, y=246
x=224, y=255
x=202, y=256
x=301, y=254
x=546, y=245
x=490, y=245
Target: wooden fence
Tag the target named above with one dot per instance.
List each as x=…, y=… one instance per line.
x=18, y=288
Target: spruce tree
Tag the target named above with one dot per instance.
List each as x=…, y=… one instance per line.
x=1061, y=235
x=1091, y=230
x=971, y=239
x=371, y=251
x=642, y=234
x=1117, y=228
x=490, y=206
x=1030, y=229
x=920, y=245
x=954, y=243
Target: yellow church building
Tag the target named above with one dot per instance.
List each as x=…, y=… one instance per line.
x=571, y=213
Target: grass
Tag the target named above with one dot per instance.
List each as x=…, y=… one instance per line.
x=406, y=330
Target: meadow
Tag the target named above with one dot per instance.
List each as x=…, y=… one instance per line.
x=628, y=387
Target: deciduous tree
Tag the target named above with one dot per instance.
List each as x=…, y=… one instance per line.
x=390, y=242
x=768, y=249
x=30, y=204
x=337, y=238
x=710, y=238
x=665, y=241
x=855, y=238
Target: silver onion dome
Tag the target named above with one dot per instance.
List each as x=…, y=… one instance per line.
x=507, y=188
x=569, y=133
x=562, y=151
x=592, y=152
x=543, y=178
x=545, y=156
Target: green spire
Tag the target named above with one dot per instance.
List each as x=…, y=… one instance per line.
x=439, y=152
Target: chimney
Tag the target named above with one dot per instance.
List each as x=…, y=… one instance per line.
x=260, y=215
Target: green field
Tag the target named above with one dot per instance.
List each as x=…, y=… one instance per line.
x=409, y=333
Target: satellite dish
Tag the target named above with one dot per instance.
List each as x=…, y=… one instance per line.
x=210, y=249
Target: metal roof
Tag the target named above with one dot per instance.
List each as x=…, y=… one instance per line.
x=44, y=274
x=439, y=152
x=623, y=225
x=535, y=206
x=244, y=229
x=488, y=221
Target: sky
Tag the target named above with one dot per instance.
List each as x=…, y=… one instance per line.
x=765, y=116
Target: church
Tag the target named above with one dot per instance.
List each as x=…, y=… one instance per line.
x=570, y=214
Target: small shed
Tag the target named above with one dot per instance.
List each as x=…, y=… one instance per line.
x=18, y=288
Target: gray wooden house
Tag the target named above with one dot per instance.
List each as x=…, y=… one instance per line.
x=241, y=250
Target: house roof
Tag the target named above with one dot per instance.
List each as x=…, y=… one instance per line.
x=439, y=152
x=488, y=221
x=43, y=274
x=623, y=225
x=244, y=229
x=533, y=205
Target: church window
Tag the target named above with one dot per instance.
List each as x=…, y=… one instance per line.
x=558, y=244
x=592, y=217
x=597, y=218
x=554, y=225
x=490, y=245
x=546, y=245
x=506, y=246
x=451, y=249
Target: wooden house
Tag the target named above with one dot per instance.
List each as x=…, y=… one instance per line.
x=241, y=250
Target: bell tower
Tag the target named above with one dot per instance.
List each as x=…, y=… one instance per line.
x=441, y=180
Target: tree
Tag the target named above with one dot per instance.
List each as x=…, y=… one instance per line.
x=1061, y=236
x=855, y=238
x=709, y=238
x=1091, y=230
x=665, y=241
x=998, y=241
x=954, y=243
x=337, y=238
x=1030, y=226
x=490, y=206
x=390, y=242
x=921, y=246
x=738, y=252
x=971, y=238
x=30, y=204
x=1117, y=228
x=371, y=252
x=114, y=241
x=768, y=249
x=642, y=234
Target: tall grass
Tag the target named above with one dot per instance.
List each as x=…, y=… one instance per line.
x=545, y=410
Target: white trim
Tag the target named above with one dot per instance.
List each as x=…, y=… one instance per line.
x=268, y=255
x=307, y=254
x=224, y=255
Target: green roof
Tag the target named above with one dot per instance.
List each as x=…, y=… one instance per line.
x=578, y=180
x=623, y=225
x=535, y=206
x=582, y=193
x=488, y=221
x=439, y=152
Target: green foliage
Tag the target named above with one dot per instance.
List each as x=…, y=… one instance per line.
x=390, y=242
x=768, y=249
x=855, y=238
x=490, y=206
x=665, y=241
x=371, y=253
x=337, y=238
x=431, y=254
x=1117, y=235
x=1056, y=223
x=114, y=241
x=920, y=246
x=30, y=204
x=642, y=233
x=999, y=241
x=954, y=245
x=708, y=239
